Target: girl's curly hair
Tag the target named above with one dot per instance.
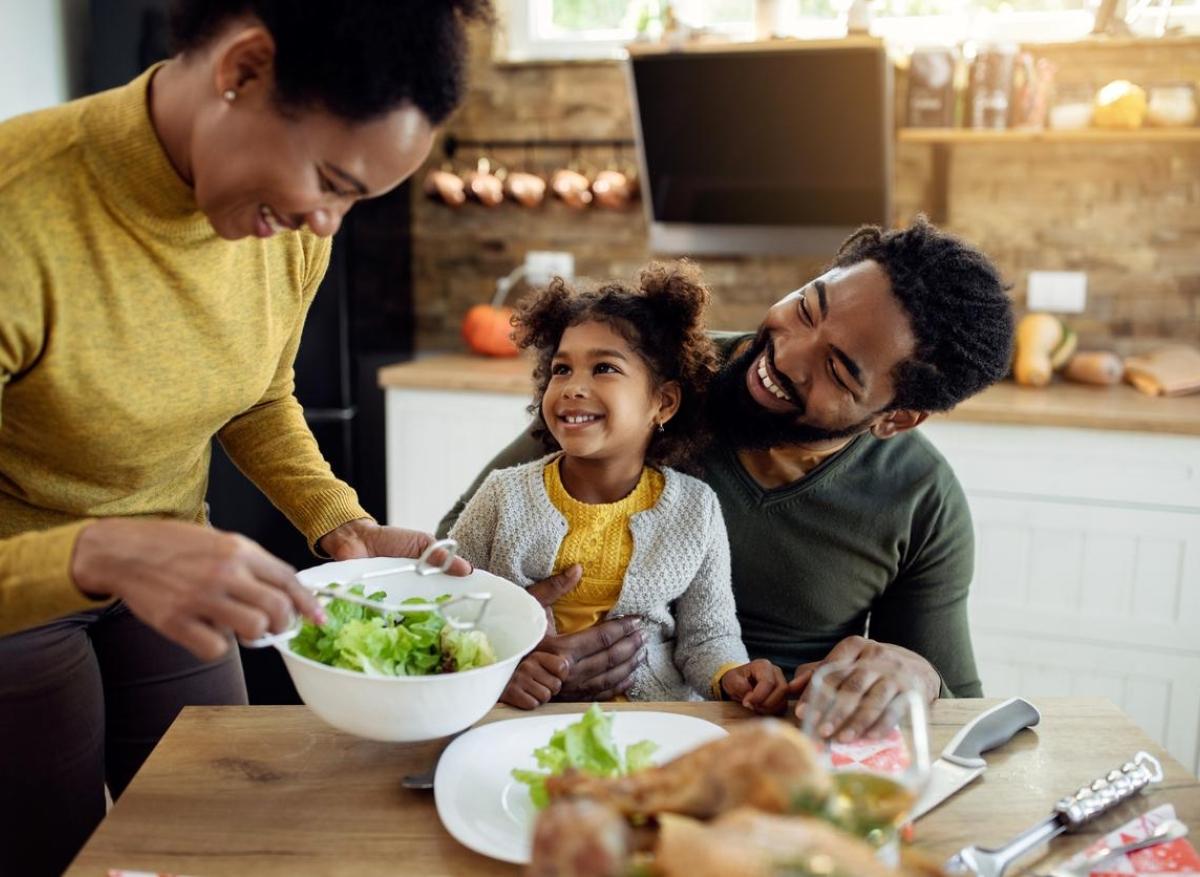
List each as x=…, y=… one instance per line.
x=663, y=321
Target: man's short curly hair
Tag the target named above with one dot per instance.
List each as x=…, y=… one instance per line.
x=357, y=60
x=961, y=316
x=662, y=318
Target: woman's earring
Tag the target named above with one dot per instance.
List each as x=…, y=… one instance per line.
x=229, y=94
x=661, y=428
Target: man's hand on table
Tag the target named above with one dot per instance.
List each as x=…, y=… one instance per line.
x=365, y=538
x=874, y=675
x=593, y=664
x=193, y=584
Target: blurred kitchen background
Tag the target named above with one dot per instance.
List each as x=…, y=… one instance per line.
x=1059, y=135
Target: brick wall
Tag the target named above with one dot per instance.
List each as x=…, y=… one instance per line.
x=1127, y=213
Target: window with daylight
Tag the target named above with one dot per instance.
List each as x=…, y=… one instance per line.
x=538, y=29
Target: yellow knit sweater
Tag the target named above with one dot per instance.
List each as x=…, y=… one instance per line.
x=130, y=336
x=598, y=539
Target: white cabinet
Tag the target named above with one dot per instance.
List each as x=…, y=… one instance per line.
x=437, y=442
x=1087, y=577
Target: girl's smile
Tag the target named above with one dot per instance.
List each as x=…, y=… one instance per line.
x=573, y=420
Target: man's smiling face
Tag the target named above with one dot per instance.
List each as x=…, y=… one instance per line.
x=822, y=364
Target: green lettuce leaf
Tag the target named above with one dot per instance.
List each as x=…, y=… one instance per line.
x=390, y=643
x=585, y=745
x=466, y=649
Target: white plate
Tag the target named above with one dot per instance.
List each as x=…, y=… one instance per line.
x=485, y=809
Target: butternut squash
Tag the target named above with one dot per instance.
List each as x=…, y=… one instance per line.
x=1043, y=345
x=1099, y=367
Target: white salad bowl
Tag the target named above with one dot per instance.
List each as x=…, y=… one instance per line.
x=410, y=708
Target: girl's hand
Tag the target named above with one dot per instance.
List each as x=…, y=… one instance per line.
x=538, y=678
x=759, y=686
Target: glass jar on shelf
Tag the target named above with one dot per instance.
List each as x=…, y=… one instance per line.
x=1072, y=106
x=1171, y=105
x=991, y=85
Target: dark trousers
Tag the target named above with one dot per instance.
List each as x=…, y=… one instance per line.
x=83, y=700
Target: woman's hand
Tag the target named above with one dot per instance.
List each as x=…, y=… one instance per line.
x=193, y=584
x=365, y=538
x=759, y=686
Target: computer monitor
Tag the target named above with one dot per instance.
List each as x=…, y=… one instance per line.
x=778, y=149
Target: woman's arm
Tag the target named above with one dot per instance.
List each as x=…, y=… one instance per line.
x=35, y=567
x=274, y=447
x=35, y=578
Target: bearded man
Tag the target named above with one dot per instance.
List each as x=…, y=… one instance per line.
x=850, y=538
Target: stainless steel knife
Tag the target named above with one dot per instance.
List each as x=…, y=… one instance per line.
x=961, y=760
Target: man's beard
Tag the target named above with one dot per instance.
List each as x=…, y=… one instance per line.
x=735, y=416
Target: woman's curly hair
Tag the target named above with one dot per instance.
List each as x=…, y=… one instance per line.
x=663, y=321
x=359, y=60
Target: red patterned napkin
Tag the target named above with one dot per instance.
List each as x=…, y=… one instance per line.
x=886, y=755
x=1177, y=857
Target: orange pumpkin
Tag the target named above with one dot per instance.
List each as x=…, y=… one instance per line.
x=488, y=330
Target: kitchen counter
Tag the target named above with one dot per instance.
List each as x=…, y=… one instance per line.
x=1062, y=404
x=461, y=371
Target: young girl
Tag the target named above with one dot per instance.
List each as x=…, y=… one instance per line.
x=619, y=381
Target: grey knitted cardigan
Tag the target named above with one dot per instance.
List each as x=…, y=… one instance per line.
x=678, y=578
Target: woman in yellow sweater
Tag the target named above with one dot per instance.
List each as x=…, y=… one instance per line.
x=159, y=247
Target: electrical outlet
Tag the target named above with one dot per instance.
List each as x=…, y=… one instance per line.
x=1063, y=292
x=542, y=266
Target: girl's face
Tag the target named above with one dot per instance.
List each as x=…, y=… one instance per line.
x=601, y=402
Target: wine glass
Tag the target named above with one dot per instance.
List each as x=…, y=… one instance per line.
x=876, y=779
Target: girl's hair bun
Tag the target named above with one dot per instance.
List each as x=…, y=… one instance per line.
x=675, y=289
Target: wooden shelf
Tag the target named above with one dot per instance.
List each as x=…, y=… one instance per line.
x=1085, y=135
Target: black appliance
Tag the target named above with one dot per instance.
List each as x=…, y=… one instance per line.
x=361, y=319
x=781, y=152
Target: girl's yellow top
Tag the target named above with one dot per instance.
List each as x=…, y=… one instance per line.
x=599, y=540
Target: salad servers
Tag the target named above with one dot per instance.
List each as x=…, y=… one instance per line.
x=470, y=611
x=1070, y=813
x=1166, y=832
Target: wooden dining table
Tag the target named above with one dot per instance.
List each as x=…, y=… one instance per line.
x=272, y=791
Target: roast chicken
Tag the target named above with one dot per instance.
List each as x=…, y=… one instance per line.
x=731, y=808
x=768, y=765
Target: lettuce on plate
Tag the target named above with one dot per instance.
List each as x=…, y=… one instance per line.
x=379, y=643
x=585, y=745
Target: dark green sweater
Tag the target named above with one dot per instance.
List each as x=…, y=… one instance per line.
x=878, y=537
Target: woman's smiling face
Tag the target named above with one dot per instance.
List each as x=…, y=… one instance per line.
x=257, y=172
x=258, y=168
x=601, y=401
